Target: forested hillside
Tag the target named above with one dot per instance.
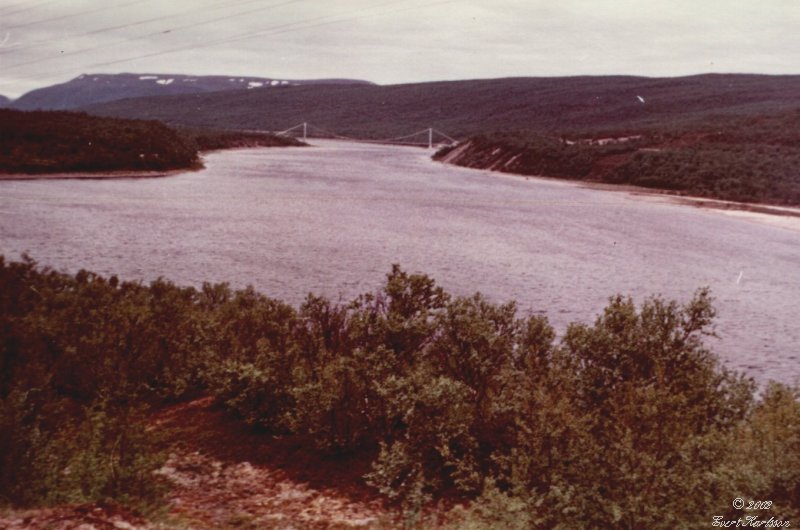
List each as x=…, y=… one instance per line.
x=752, y=159
x=727, y=136
x=42, y=142
x=58, y=141
x=463, y=108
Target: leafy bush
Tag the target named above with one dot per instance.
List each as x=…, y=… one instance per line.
x=80, y=357
x=629, y=422
x=766, y=461
x=54, y=452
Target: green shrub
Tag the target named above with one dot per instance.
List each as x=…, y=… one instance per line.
x=55, y=455
x=765, y=464
x=629, y=422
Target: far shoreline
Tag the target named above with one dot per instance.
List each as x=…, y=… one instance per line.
x=100, y=175
x=130, y=174
x=697, y=201
x=783, y=216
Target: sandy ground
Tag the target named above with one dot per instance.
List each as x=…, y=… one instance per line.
x=226, y=476
x=781, y=216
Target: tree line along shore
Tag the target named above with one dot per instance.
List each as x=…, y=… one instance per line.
x=746, y=159
x=743, y=159
x=46, y=142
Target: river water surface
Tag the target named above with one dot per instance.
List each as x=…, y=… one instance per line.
x=333, y=218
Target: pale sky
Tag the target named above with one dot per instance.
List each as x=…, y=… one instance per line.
x=393, y=41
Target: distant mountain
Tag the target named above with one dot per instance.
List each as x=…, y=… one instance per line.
x=461, y=108
x=89, y=89
x=4, y=101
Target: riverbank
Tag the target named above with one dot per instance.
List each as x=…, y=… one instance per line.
x=504, y=163
x=95, y=176
x=50, y=142
x=728, y=163
x=53, y=145
x=783, y=216
x=214, y=145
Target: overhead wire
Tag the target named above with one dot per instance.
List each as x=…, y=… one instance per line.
x=359, y=111
x=28, y=7
x=286, y=27
x=10, y=8
x=161, y=32
x=282, y=28
x=279, y=29
x=36, y=44
x=448, y=137
x=73, y=15
x=259, y=33
x=269, y=31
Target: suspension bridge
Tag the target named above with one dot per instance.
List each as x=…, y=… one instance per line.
x=429, y=137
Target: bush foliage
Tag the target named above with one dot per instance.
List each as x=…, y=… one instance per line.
x=629, y=422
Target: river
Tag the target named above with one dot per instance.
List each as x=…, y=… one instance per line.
x=331, y=219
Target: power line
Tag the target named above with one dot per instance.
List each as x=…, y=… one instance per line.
x=269, y=31
x=154, y=34
x=28, y=8
x=11, y=7
x=72, y=15
x=36, y=44
x=286, y=27
x=282, y=28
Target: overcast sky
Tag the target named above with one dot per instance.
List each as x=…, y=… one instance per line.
x=393, y=41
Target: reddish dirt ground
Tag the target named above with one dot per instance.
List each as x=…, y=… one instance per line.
x=225, y=476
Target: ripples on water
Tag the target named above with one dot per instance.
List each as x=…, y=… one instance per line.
x=333, y=218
